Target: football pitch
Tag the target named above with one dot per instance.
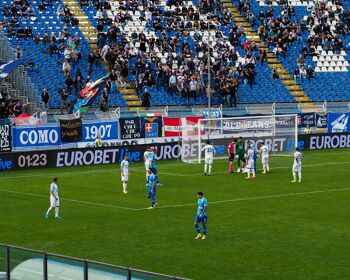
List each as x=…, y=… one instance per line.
x=267, y=228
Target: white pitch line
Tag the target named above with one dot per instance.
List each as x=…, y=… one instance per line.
x=224, y=172
x=72, y=200
x=252, y=198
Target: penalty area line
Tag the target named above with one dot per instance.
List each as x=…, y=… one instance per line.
x=253, y=198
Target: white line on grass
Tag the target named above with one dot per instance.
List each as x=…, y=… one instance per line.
x=253, y=198
x=72, y=200
x=184, y=205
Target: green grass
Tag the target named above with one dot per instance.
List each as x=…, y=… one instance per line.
x=257, y=231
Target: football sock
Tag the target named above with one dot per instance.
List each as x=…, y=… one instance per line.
x=124, y=186
x=248, y=173
x=204, y=229
x=295, y=176
x=299, y=175
x=209, y=168
x=48, y=210
x=57, y=210
x=264, y=168
x=230, y=167
x=197, y=228
x=267, y=167
x=253, y=172
x=205, y=168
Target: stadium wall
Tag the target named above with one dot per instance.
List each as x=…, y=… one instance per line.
x=165, y=151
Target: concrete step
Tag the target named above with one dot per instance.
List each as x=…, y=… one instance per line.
x=298, y=93
x=127, y=90
x=272, y=60
x=134, y=103
x=285, y=76
x=293, y=87
x=131, y=97
x=302, y=98
x=288, y=82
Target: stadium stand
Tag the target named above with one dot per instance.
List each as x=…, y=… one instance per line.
x=263, y=51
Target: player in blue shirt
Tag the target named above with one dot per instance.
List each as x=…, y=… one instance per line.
x=153, y=167
x=152, y=189
x=201, y=216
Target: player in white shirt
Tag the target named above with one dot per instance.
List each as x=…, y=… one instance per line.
x=297, y=165
x=209, y=152
x=264, y=154
x=124, y=172
x=251, y=161
x=146, y=159
x=54, y=199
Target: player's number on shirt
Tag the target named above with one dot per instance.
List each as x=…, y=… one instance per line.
x=32, y=160
x=103, y=130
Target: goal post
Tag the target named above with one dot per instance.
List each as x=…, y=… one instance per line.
x=278, y=132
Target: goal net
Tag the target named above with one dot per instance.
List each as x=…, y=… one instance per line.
x=278, y=132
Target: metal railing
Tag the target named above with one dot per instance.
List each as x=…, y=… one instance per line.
x=22, y=263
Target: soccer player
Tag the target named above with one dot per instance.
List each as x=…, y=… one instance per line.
x=147, y=164
x=240, y=152
x=231, y=155
x=297, y=165
x=152, y=189
x=202, y=216
x=124, y=170
x=209, y=156
x=264, y=154
x=251, y=161
x=54, y=199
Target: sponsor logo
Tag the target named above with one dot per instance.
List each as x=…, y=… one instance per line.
x=151, y=130
x=5, y=164
x=247, y=124
x=5, y=144
x=329, y=142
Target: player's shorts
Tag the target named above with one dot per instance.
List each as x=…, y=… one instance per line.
x=265, y=159
x=151, y=194
x=251, y=164
x=125, y=177
x=231, y=157
x=154, y=170
x=209, y=160
x=241, y=156
x=296, y=167
x=202, y=220
x=54, y=202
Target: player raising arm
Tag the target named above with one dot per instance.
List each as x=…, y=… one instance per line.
x=54, y=199
x=202, y=216
x=209, y=152
x=251, y=161
x=124, y=170
x=231, y=155
x=153, y=167
x=264, y=154
x=297, y=165
x=240, y=152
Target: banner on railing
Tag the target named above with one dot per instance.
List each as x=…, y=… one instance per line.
x=338, y=122
x=321, y=121
x=50, y=136
x=5, y=138
x=306, y=119
x=130, y=128
x=172, y=127
x=151, y=127
x=324, y=141
x=71, y=130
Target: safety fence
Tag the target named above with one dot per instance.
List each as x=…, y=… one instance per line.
x=19, y=263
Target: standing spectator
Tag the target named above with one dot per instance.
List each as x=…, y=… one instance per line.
x=91, y=60
x=104, y=100
x=146, y=100
x=172, y=84
x=309, y=73
x=45, y=97
x=64, y=99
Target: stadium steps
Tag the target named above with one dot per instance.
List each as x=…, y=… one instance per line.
x=131, y=97
x=85, y=26
x=272, y=60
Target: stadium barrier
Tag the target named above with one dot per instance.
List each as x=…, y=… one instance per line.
x=21, y=263
x=71, y=133
x=164, y=151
